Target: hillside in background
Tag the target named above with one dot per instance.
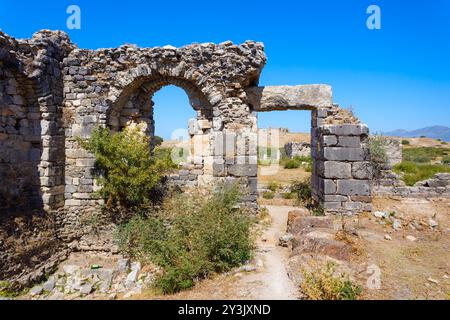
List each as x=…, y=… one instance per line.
x=435, y=132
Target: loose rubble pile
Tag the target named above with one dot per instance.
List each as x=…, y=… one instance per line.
x=73, y=281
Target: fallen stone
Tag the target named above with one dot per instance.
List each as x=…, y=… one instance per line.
x=397, y=225
x=381, y=215
x=295, y=214
x=433, y=280
x=321, y=242
x=56, y=296
x=387, y=237
x=123, y=265
x=86, y=288
x=411, y=238
x=49, y=285
x=112, y=296
x=248, y=268
x=71, y=269
x=305, y=224
x=131, y=279
x=285, y=240
x=36, y=290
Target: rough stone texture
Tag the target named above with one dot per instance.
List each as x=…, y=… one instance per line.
x=342, y=177
x=300, y=149
x=436, y=187
x=52, y=92
x=305, y=97
x=394, y=151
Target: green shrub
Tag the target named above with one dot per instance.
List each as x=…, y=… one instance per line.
x=273, y=186
x=302, y=191
x=378, y=156
x=191, y=237
x=157, y=141
x=297, y=162
x=268, y=195
x=414, y=172
x=317, y=211
x=288, y=195
x=126, y=170
x=292, y=164
x=405, y=142
x=323, y=284
x=446, y=160
x=424, y=154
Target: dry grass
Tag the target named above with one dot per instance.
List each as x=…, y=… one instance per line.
x=283, y=176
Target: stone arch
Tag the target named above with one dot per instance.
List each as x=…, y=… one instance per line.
x=135, y=101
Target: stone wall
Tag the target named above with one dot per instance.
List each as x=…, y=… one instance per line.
x=300, y=149
x=436, y=187
x=394, y=150
x=52, y=93
x=342, y=171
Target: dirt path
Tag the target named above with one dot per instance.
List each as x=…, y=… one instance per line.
x=272, y=281
x=268, y=282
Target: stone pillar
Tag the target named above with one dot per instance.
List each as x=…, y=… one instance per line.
x=342, y=172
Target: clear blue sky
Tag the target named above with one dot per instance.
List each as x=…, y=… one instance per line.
x=396, y=77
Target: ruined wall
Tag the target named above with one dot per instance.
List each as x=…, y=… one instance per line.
x=300, y=149
x=31, y=153
x=342, y=174
x=394, y=150
x=52, y=93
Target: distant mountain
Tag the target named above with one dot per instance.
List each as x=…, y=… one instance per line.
x=435, y=132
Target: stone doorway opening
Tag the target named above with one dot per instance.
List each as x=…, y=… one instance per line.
x=284, y=151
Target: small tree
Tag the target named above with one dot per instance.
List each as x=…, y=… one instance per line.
x=378, y=155
x=128, y=173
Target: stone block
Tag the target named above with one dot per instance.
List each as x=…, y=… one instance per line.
x=344, y=154
x=362, y=170
x=328, y=186
x=329, y=141
x=354, y=187
x=345, y=129
x=349, y=141
x=243, y=170
x=336, y=170
x=334, y=198
x=332, y=205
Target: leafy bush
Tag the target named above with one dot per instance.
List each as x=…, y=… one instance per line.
x=424, y=154
x=378, y=156
x=127, y=172
x=292, y=164
x=273, y=186
x=157, y=141
x=446, y=160
x=405, y=142
x=414, y=172
x=323, y=284
x=288, y=195
x=297, y=162
x=191, y=237
x=268, y=195
x=302, y=190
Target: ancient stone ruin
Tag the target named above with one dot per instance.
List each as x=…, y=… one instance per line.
x=52, y=92
x=297, y=149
